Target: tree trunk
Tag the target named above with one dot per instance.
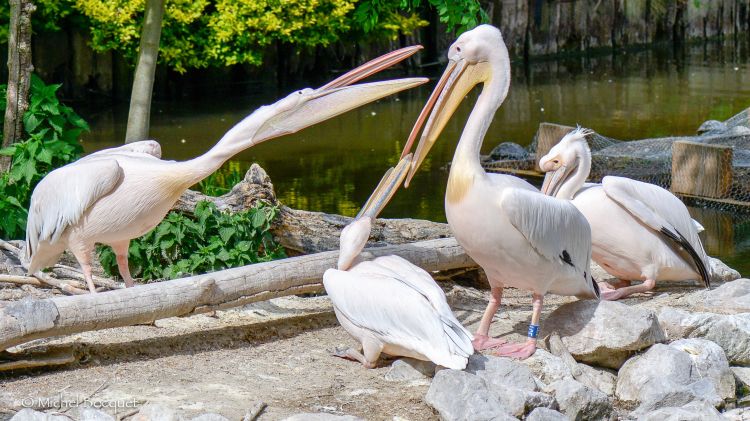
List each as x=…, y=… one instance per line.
x=19, y=74
x=25, y=320
x=143, y=81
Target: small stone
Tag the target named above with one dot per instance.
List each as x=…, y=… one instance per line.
x=693, y=411
x=742, y=378
x=502, y=371
x=28, y=414
x=709, y=362
x=536, y=400
x=509, y=150
x=604, y=333
x=91, y=414
x=580, y=402
x=461, y=396
x=731, y=332
x=321, y=416
x=737, y=414
x=407, y=369
x=663, y=376
x=599, y=378
x=546, y=414
x=210, y=417
x=156, y=412
x=547, y=367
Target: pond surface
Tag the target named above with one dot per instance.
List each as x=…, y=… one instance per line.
x=333, y=167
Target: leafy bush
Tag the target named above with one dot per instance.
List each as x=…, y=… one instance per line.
x=206, y=241
x=52, y=130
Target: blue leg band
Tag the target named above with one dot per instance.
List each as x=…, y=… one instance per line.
x=533, y=331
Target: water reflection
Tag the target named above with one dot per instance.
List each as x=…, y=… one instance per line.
x=332, y=167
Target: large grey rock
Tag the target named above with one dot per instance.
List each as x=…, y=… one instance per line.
x=462, y=396
x=546, y=414
x=28, y=414
x=693, y=411
x=539, y=400
x=663, y=376
x=511, y=398
x=731, y=332
x=408, y=369
x=709, y=362
x=580, y=402
x=604, y=333
x=509, y=150
x=502, y=371
x=321, y=416
x=156, y=412
x=730, y=298
x=547, y=367
x=92, y=414
x=719, y=270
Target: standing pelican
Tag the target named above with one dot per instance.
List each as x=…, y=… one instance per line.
x=388, y=304
x=116, y=195
x=639, y=231
x=520, y=237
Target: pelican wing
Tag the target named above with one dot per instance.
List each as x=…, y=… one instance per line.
x=61, y=198
x=553, y=227
x=662, y=211
x=145, y=148
x=398, y=314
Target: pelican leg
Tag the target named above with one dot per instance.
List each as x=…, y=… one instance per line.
x=368, y=357
x=121, y=252
x=83, y=255
x=616, y=294
x=526, y=349
x=482, y=340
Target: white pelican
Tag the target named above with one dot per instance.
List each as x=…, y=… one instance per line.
x=520, y=237
x=113, y=196
x=639, y=231
x=388, y=304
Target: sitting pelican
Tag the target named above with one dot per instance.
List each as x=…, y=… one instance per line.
x=118, y=194
x=388, y=304
x=521, y=238
x=639, y=231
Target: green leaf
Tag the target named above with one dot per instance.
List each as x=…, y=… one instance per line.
x=31, y=122
x=226, y=233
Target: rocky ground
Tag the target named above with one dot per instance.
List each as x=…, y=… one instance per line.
x=679, y=354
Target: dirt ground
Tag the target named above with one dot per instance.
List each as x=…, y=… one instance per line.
x=276, y=352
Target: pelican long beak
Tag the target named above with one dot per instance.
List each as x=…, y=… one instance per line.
x=385, y=190
x=339, y=96
x=459, y=78
x=555, y=179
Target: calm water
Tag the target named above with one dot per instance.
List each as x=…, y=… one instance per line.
x=332, y=167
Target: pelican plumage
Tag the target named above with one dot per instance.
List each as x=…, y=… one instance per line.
x=388, y=304
x=521, y=238
x=640, y=231
x=118, y=194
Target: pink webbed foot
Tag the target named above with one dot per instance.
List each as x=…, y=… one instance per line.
x=482, y=342
x=520, y=351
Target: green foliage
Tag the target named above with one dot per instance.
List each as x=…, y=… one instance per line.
x=206, y=33
x=52, y=131
x=221, y=182
x=377, y=15
x=209, y=240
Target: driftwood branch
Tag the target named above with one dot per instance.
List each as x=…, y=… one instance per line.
x=25, y=320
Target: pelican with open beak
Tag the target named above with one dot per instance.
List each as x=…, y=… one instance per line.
x=118, y=194
x=521, y=238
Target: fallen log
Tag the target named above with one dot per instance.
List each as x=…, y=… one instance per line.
x=26, y=320
x=304, y=232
